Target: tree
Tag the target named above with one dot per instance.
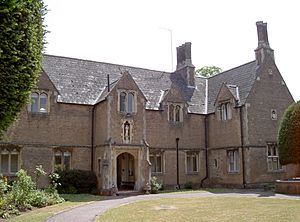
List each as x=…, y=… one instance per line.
x=208, y=71
x=21, y=45
x=289, y=135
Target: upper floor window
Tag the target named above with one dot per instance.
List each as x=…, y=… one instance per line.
x=62, y=160
x=233, y=161
x=273, y=157
x=9, y=162
x=39, y=103
x=175, y=112
x=127, y=102
x=225, y=111
x=192, y=162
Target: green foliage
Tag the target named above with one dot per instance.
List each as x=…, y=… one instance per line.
x=188, y=185
x=21, y=45
x=76, y=181
x=23, y=194
x=289, y=135
x=155, y=184
x=208, y=71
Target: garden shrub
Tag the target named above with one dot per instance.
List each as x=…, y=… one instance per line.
x=77, y=181
x=188, y=185
x=23, y=194
x=155, y=184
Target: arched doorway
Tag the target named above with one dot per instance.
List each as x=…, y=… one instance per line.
x=125, y=171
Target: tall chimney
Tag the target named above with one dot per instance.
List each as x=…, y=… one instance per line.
x=184, y=63
x=263, y=49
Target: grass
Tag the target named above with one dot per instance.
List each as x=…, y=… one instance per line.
x=233, y=209
x=41, y=214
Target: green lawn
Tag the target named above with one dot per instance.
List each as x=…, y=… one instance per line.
x=206, y=209
x=72, y=200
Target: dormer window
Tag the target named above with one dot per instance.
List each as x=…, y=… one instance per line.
x=39, y=103
x=224, y=111
x=127, y=102
x=175, y=112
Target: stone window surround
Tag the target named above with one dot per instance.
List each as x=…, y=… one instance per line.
x=224, y=110
x=10, y=152
x=162, y=161
x=39, y=93
x=233, y=159
x=191, y=155
x=127, y=92
x=273, y=157
x=62, y=152
x=177, y=115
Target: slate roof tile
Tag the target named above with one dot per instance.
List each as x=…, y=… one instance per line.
x=85, y=82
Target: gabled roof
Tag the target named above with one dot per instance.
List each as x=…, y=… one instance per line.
x=85, y=82
x=242, y=76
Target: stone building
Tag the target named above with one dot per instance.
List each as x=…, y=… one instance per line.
x=126, y=123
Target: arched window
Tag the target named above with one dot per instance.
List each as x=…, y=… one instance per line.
x=127, y=102
x=43, y=102
x=171, y=112
x=130, y=104
x=34, y=102
x=39, y=103
x=177, y=113
x=122, y=102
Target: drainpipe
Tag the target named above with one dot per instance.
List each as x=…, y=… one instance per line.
x=177, y=163
x=206, y=149
x=92, y=139
x=242, y=146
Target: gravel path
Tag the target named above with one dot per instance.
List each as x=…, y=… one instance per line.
x=87, y=213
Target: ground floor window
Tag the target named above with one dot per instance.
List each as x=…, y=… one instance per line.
x=156, y=161
x=192, y=162
x=273, y=157
x=9, y=161
x=62, y=160
x=233, y=161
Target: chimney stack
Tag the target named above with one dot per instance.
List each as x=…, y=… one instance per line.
x=263, y=49
x=184, y=63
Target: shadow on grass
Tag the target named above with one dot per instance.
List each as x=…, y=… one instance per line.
x=258, y=192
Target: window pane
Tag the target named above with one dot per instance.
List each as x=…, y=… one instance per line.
x=130, y=103
x=67, y=160
x=4, y=163
x=57, y=163
x=99, y=167
x=152, y=163
x=177, y=113
x=43, y=102
x=14, y=163
x=34, y=102
x=158, y=164
x=171, y=112
x=194, y=163
x=188, y=163
x=122, y=102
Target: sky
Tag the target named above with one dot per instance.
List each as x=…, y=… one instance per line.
x=145, y=34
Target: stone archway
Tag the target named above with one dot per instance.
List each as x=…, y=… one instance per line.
x=125, y=171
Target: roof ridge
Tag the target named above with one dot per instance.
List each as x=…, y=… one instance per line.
x=108, y=63
x=231, y=69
